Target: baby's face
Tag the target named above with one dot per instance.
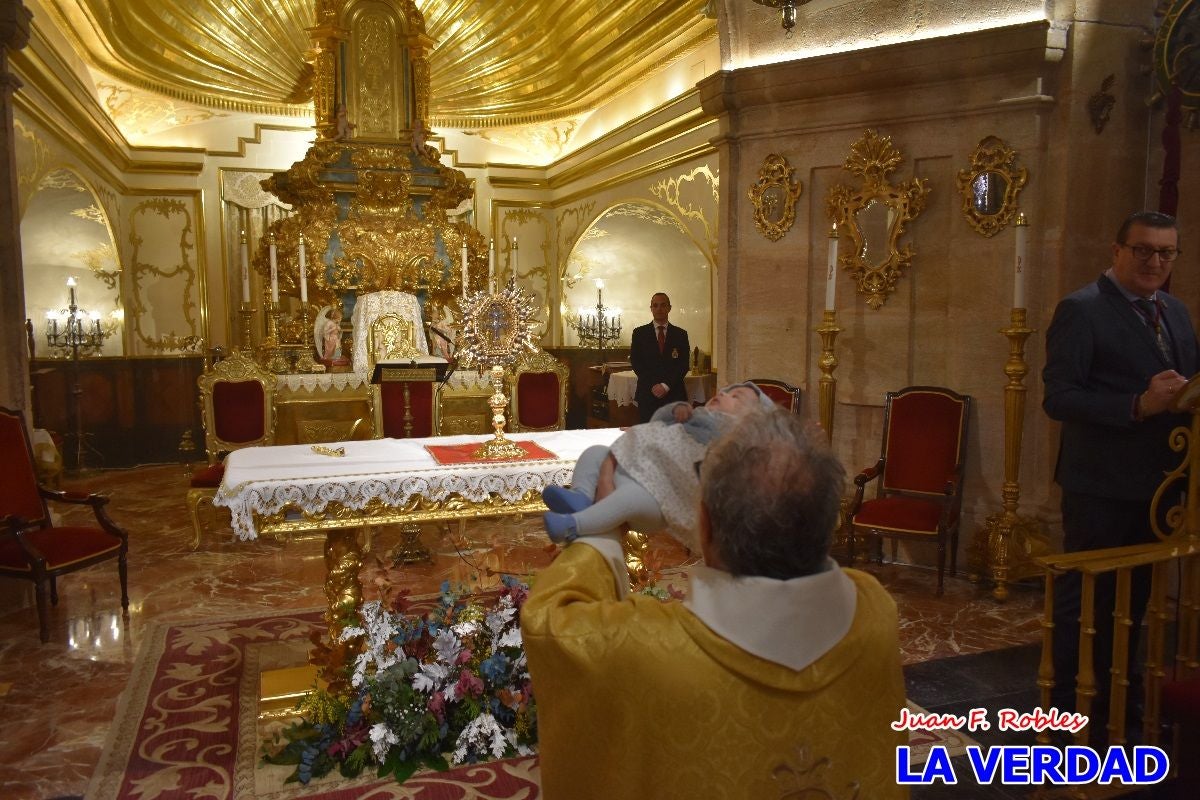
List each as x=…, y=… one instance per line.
x=736, y=401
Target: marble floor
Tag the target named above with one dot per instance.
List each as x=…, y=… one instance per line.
x=58, y=699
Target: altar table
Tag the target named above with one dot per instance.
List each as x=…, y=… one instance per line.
x=622, y=386
x=290, y=488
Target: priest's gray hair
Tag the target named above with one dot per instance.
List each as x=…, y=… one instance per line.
x=773, y=490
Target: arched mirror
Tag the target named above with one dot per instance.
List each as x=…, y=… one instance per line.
x=990, y=186
x=873, y=217
x=774, y=196
x=66, y=238
x=635, y=249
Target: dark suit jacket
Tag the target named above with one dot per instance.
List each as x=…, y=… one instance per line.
x=1100, y=355
x=653, y=367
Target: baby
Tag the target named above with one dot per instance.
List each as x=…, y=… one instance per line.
x=656, y=480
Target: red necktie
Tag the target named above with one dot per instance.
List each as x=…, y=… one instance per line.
x=662, y=338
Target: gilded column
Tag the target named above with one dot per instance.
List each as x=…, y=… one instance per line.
x=327, y=38
x=14, y=373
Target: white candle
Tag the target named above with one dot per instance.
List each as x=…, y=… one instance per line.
x=274, y=282
x=245, y=270
x=492, y=262
x=303, y=273
x=71, y=289
x=831, y=275
x=1019, y=271
x=514, y=257
x=464, y=267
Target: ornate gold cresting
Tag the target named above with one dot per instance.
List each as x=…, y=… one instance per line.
x=874, y=216
x=774, y=196
x=990, y=186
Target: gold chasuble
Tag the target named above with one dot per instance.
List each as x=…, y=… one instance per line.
x=639, y=699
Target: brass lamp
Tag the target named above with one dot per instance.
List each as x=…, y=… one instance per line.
x=788, y=8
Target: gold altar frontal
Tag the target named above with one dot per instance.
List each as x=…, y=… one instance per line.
x=324, y=413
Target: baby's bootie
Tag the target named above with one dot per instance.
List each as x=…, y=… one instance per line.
x=563, y=500
x=561, y=527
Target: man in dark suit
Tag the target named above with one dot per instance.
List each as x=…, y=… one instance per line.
x=659, y=353
x=1117, y=351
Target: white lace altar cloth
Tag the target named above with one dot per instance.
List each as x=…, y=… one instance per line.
x=463, y=380
x=265, y=480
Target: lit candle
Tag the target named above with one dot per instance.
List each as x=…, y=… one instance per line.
x=245, y=269
x=599, y=292
x=464, y=267
x=1019, y=271
x=96, y=322
x=831, y=275
x=492, y=263
x=71, y=290
x=303, y=273
x=52, y=318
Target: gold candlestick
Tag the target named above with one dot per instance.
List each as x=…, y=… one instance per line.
x=828, y=362
x=1009, y=542
x=498, y=447
x=276, y=360
x=247, y=312
x=304, y=358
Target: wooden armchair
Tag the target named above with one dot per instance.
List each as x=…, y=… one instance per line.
x=237, y=399
x=539, y=393
x=32, y=547
x=919, y=473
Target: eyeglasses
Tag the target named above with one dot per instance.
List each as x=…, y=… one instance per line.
x=1143, y=253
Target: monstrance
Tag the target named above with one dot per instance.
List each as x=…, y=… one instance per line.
x=496, y=329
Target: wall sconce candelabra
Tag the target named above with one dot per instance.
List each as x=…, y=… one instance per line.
x=594, y=330
x=79, y=332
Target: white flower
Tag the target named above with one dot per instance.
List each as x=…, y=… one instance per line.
x=380, y=626
x=430, y=677
x=382, y=740
x=448, y=647
x=482, y=734
x=510, y=639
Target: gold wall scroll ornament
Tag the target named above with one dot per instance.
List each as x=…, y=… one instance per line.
x=874, y=215
x=990, y=186
x=774, y=196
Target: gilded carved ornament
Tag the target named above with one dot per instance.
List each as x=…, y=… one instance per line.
x=873, y=217
x=990, y=186
x=774, y=196
x=670, y=191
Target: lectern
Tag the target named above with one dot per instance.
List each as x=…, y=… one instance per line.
x=405, y=404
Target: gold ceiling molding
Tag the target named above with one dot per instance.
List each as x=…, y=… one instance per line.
x=496, y=63
x=139, y=113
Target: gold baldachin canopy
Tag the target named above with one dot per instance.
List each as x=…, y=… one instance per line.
x=495, y=62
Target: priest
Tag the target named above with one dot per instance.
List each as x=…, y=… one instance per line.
x=778, y=660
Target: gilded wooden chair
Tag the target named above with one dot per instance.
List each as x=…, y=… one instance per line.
x=919, y=473
x=539, y=393
x=399, y=409
x=237, y=400
x=784, y=394
x=32, y=546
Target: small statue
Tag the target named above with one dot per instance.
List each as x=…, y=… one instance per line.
x=345, y=128
x=419, y=135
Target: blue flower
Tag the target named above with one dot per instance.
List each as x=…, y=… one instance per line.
x=495, y=668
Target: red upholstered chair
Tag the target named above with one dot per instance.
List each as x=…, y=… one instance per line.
x=237, y=398
x=784, y=394
x=919, y=473
x=32, y=547
x=539, y=393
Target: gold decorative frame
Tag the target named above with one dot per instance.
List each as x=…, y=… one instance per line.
x=497, y=328
x=872, y=158
x=990, y=186
x=391, y=338
x=774, y=196
x=540, y=362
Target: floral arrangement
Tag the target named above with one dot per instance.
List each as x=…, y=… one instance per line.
x=452, y=681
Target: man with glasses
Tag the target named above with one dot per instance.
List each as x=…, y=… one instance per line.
x=1117, y=352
